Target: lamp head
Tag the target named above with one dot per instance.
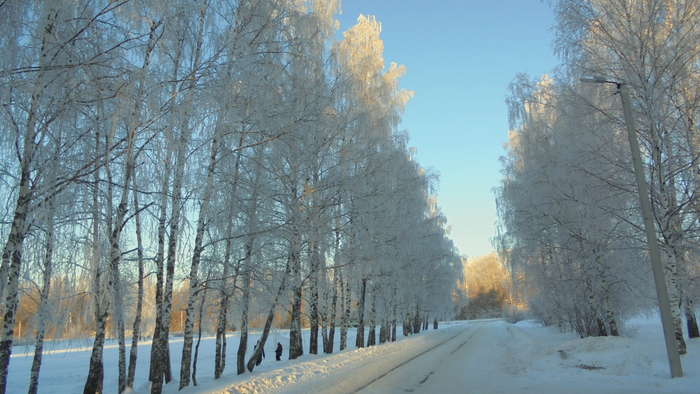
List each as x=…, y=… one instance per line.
x=599, y=79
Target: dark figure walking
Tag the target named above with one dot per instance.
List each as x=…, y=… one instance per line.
x=262, y=353
x=278, y=351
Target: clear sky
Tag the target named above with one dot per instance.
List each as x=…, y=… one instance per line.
x=460, y=56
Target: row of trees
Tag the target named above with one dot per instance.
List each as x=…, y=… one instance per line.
x=230, y=147
x=570, y=224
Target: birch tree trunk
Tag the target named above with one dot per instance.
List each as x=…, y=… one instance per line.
x=416, y=320
x=114, y=280
x=383, y=331
x=360, y=338
x=330, y=339
x=394, y=314
x=674, y=263
x=220, y=354
x=156, y=351
x=610, y=320
x=93, y=383
x=115, y=252
x=324, y=330
x=691, y=321
x=162, y=352
x=245, y=300
x=200, y=315
x=136, y=329
x=44, y=301
x=106, y=298
x=12, y=251
x=248, y=262
x=119, y=221
x=220, y=346
x=295, y=343
x=268, y=322
x=196, y=257
x=162, y=367
x=676, y=302
x=345, y=318
x=135, y=122
x=671, y=263
x=314, y=282
x=372, y=335
x=672, y=231
x=117, y=225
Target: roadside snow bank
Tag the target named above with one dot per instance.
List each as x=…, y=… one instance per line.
x=627, y=364
x=607, y=355
x=527, y=323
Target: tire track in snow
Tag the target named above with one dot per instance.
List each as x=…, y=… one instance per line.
x=366, y=385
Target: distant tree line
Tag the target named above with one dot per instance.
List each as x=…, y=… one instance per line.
x=486, y=290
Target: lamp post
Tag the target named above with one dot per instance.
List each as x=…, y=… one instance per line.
x=674, y=359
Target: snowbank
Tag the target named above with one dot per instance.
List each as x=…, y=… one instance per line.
x=633, y=364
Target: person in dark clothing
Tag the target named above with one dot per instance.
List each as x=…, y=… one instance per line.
x=262, y=354
x=278, y=351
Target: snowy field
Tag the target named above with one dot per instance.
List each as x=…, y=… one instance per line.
x=481, y=356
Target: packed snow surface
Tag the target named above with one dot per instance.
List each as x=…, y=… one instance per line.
x=482, y=356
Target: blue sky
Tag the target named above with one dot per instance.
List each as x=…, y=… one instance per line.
x=461, y=55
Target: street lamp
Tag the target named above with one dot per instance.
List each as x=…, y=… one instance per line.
x=674, y=359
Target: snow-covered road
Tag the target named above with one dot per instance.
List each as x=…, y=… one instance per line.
x=345, y=372
x=485, y=357
x=497, y=357
x=442, y=368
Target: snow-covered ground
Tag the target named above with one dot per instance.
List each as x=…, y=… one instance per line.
x=482, y=356
x=489, y=356
x=65, y=364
